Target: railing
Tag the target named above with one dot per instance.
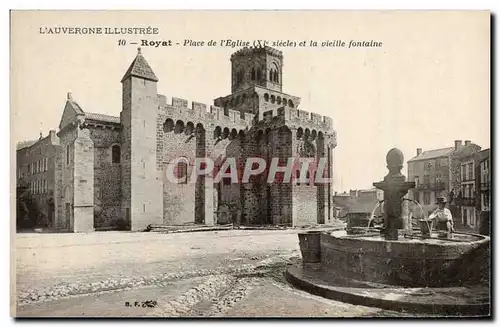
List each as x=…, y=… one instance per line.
x=468, y=201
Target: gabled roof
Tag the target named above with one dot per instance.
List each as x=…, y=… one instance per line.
x=433, y=154
x=140, y=68
x=71, y=111
x=101, y=117
x=75, y=106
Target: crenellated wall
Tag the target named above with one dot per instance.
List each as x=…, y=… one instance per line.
x=256, y=120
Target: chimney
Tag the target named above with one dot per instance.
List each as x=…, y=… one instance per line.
x=419, y=151
x=467, y=142
x=458, y=144
x=70, y=96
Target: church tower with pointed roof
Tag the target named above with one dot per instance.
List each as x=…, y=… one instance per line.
x=143, y=205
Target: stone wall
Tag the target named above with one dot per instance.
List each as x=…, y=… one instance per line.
x=65, y=198
x=126, y=137
x=146, y=205
x=305, y=200
x=107, y=176
x=280, y=140
x=260, y=63
x=411, y=264
x=83, y=205
x=178, y=199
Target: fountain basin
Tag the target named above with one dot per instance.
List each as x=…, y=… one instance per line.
x=409, y=262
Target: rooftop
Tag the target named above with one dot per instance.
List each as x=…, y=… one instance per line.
x=140, y=68
x=25, y=144
x=74, y=105
x=101, y=117
x=484, y=154
x=432, y=154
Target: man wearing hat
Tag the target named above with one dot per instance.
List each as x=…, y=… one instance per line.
x=442, y=216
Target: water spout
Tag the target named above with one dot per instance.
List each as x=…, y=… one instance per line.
x=423, y=214
x=372, y=216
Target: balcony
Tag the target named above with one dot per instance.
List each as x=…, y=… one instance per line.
x=485, y=186
x=435, y=186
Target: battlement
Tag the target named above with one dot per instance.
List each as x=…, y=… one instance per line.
x=179, y=109
x=302, y=118
x=257, y=50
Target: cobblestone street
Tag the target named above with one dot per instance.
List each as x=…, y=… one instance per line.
x=202, y=274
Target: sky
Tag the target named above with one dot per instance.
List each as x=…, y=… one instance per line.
x=428, y=85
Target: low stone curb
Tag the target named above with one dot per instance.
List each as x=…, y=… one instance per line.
x=295, y=276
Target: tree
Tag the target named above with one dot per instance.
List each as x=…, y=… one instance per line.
x=27, y=209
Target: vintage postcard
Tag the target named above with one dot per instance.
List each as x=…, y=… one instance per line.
x=250, y=164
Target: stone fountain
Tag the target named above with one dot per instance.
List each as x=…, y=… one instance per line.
x=395, y=187
x=393, y=269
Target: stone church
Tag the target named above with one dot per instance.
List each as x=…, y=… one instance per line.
x=109, y=171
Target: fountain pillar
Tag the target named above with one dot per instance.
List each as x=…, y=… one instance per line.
x=395, y=187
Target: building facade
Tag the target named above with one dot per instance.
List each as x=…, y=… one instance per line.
x=430, y=170
x=444, y=173
x=483, y=193
x=463, y=184
x=111, y=171
x=35, y=179
x=466, y=198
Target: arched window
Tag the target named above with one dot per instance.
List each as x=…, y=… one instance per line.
x=271, y=74
x=253, y=74
x=258, y=74
x=276, y=76
x=180, y=172
x=115, y=154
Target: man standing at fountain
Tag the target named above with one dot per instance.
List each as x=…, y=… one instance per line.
x=442, y=215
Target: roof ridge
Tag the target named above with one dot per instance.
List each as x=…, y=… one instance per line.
x=433, y=153
x=102, y=117
x=97, y=113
